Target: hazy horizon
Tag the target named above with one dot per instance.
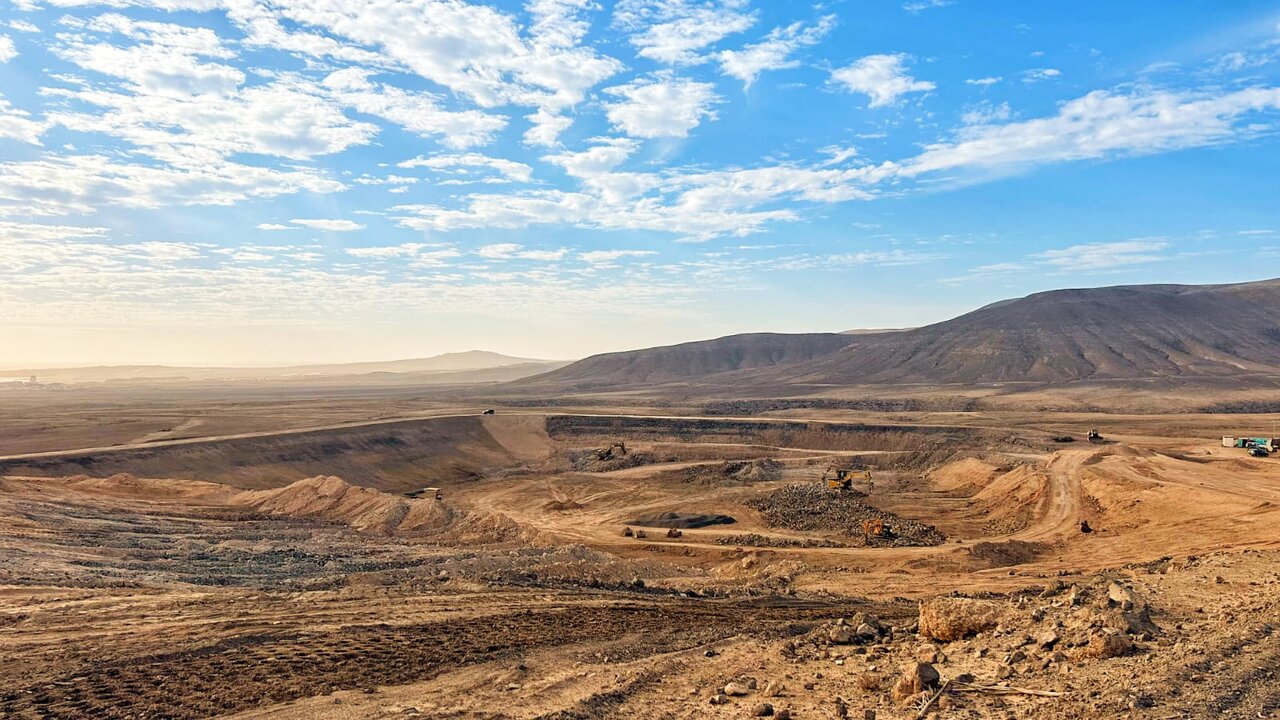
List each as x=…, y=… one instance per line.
x=190, y=183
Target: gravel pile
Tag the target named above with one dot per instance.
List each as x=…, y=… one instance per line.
x=816, y=508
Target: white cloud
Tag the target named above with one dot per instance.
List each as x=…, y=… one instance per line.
x=838, y=155
x=31, y=232
x=474, y=50
x=386, y=251
x=514, y=251
x=1040, y=75
x=498, y=251
x=507, y=170
x=23, y=26
x=696, y=206
x=774, y=53
x=879, y=258
x=328, y=225
x=545, y=127
x=417, y=112
x=17, y=124
x=986, y=113
x=915, y=7
x=7, y=49
x=1100, y=124
x=434, y=258
x=602, y=257
x=82, y=183
x=984, y=81
x=176, y=105
x=674, y=31
x=273, y=226
x=881, y=77
x=663, y=107
x=1103, y=256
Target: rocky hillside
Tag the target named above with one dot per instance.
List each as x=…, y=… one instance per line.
x=694, y=359
x=1125, y=332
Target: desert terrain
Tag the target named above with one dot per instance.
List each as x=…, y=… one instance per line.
x=258, y=554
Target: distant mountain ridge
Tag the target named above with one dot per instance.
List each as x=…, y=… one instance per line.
x=1127, y=332
x=447, y=363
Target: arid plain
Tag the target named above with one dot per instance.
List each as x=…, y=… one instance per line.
x=195, y=550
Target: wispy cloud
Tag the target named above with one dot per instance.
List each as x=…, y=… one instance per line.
x=328, y=225
x=883, y=78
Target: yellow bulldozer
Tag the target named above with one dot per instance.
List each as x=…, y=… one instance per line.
x=842, y=478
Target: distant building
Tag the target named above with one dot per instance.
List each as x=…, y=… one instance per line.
x=32, y=381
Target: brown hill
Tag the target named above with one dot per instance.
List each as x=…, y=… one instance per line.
x=694, y=359
x=1123, y=332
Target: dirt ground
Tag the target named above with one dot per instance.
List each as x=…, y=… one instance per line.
x=273, y=569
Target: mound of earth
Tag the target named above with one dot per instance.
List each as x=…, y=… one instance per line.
x=590, y=461
x=815, y=507
x=562, y=505
x=734, y=472
x=332, y=499
x=1004, y=554
x=682, y=520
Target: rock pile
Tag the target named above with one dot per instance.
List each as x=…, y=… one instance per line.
x=734, y=472
x=815, y=507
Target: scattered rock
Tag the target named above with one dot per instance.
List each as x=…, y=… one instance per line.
x=840, y=634
x=1106, y=645
x=1119, y=595
x=762, y=710
x=719, y=699
x=929, y=653
x=1047, y=639
x=916, y=677
x=736, y=689
x=870, y=682
x=783, y=714
x=774, y=689
x=956, y=618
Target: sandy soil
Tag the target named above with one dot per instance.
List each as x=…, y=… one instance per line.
x=519, y=596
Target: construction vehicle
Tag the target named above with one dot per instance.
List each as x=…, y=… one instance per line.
x=674, y=533
x=1258, y=451
x=842, y=478
x=875, y=529
x=607, y=453
x=489, y=411
x=1094, y=436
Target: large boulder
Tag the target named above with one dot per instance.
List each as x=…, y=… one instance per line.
x=950, y=618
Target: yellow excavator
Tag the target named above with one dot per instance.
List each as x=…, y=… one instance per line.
x=607, y=453
x=842, y=478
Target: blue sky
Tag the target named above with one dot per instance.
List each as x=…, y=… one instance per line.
x=241, y=181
